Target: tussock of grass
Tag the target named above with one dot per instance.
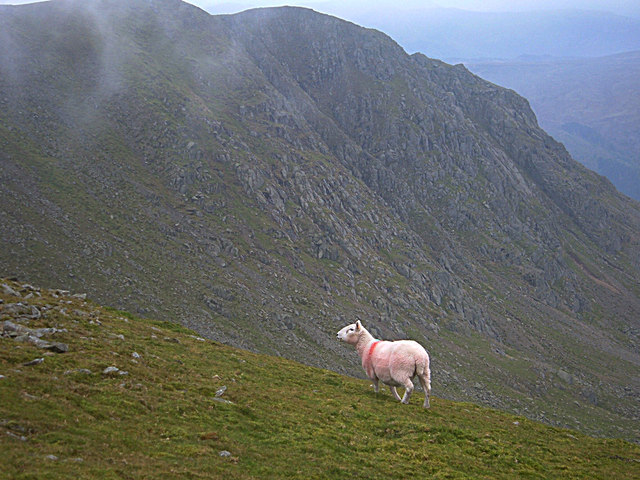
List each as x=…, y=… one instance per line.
x=277, y=418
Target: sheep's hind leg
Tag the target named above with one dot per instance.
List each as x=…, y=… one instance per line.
x=395, y=392
x=408, y=385
x=426, y=386
x=376, y=388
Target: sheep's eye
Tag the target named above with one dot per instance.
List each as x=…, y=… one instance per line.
x=351, y=329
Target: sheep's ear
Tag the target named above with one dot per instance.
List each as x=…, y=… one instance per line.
x=358, y=325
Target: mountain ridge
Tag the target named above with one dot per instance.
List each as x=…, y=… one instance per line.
x=267, y=177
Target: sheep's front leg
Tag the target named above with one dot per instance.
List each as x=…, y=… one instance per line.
x=408, y=385
x=395, y=392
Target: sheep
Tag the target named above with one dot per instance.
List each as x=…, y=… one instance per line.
x=393, y=363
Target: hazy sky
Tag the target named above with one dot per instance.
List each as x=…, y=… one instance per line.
x=623, y=7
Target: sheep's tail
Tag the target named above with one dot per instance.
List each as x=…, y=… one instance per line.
x=423, y=370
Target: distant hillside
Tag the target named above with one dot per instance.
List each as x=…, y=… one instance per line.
x=453, y=34
x=268, y=177
x=137, y=398
x=590, y=105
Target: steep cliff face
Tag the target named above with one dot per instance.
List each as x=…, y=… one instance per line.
x=446, y=151
x=266, y=177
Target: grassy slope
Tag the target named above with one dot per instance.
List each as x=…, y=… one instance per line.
x=286, y=420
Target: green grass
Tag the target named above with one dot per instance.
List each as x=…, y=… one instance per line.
x=285, y=420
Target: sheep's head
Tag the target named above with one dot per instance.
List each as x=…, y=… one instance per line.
x=351, y=333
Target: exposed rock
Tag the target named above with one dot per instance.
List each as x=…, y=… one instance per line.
x=564, y=376
x=110, y=370
x=35, y=361
x=57, y=347
x=22, y=438
x=7, y=290
x=84, y=371
x=20, y=333
x=10, y=329
x=221, y=391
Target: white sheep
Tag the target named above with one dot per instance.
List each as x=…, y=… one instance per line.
x=393, y=363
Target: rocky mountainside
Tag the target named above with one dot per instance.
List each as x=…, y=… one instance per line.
x=267, y=177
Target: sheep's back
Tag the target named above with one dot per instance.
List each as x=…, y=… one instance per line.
x=395, y=361
x=410, y=349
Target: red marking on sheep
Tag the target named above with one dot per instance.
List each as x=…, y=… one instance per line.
x=373, y=347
